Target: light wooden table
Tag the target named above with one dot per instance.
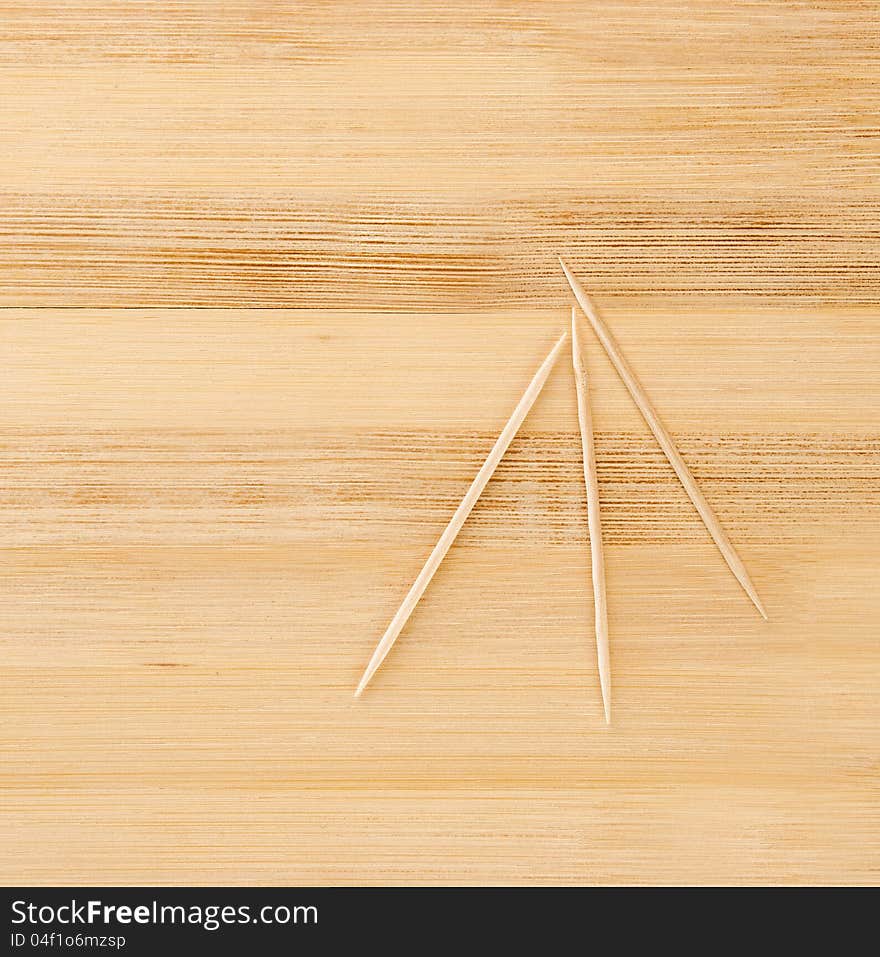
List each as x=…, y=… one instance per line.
x=273, y=276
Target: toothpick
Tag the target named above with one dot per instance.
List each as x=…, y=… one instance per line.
x=594, y=523
x=641, y=399
x=461, y=513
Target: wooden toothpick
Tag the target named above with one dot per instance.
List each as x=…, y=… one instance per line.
x=461, y=513
x=597, y=558
x=641, y=399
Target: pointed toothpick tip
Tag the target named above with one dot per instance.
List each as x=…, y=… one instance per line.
x=606, y=697
x=750, y=590
x=560, y=342
x=580, y=294
x=565, y=269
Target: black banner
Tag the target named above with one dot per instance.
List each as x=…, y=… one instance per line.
x=172, y=920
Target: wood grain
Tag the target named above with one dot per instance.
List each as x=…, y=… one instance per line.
x=271, y=279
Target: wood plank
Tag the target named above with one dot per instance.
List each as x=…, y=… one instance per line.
x=191, y=249
x=740, y=751
x=208, y=517
x=407, y=156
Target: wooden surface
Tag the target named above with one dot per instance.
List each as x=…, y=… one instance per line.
x=273, y=277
